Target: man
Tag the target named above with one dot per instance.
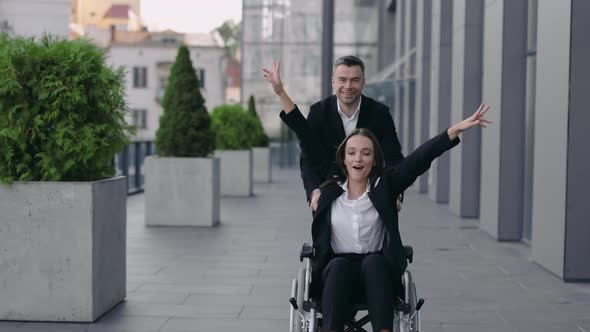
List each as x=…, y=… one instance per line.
x=333, y=118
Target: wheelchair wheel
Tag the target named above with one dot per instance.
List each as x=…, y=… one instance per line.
x=300, y=292
x=416, y=320
x=409, y=322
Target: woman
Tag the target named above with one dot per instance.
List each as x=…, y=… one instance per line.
x=358, y=248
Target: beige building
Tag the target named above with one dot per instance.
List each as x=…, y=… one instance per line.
x=104, y=13
x=148, y=58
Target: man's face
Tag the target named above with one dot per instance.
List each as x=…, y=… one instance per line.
x=348, y=83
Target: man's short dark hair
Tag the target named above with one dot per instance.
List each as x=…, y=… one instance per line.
x=349, y=61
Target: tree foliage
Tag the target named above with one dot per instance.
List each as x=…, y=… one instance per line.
x=185, y=125
x=261, y=139
x=230, y=34
x=62, y=110
x=235, y=128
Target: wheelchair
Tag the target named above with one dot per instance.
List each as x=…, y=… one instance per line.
x=305, y=312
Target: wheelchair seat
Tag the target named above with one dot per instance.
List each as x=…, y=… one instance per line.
x=308, y=252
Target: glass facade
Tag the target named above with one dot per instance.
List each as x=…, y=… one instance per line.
x=291, y=31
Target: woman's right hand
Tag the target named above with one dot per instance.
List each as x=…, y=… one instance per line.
x=274, y=78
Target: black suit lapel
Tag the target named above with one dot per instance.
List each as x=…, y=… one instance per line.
x=335, y=120
x=328, y=196
x=364, y=113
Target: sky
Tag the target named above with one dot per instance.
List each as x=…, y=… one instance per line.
x=189, y=15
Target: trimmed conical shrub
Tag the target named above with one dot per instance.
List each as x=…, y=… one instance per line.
x=185, y=125
x=260, y=140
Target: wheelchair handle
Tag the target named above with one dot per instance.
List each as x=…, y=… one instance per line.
x=294, y=303
x=419, y=304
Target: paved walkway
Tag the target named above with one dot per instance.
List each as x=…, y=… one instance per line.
x=236, y=277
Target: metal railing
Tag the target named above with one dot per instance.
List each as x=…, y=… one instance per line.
x=129, y=162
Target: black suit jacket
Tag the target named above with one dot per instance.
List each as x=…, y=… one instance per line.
x=393, y=181
x=326, y=124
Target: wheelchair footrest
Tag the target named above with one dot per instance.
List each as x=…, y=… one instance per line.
x=401, y=306
x=308, y=305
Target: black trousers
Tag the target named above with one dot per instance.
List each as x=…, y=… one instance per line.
x=357, y=278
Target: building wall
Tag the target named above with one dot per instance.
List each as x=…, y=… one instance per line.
x=577, y=228
x=466, y=97
x=36, y=17
x=504, y=89
x=539, y=109
x=129, y=56
x=551, y=116
x=440, y=104
x=423, y=59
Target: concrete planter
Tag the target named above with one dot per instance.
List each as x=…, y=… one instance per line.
x=262, y=165
x=181, y=191
x=236, y=172
x=62, y=249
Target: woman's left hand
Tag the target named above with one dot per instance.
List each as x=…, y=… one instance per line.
x=476, y=119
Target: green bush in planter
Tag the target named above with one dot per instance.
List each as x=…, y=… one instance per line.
x=234, y=127
x=261, y=140
x=61, y=111
x=185, y=125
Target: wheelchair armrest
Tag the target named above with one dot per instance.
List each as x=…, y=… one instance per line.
x=306, y=251
x=409, y=253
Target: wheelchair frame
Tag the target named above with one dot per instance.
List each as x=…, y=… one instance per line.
x=305, y=314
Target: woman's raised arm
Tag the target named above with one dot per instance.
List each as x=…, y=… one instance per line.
x=405, y=173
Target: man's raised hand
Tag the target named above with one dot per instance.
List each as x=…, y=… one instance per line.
x=274, y=78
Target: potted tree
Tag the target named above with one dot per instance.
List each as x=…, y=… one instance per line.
x=63, y=220
x=260, y=149
x=182, y=181
x=236, y=131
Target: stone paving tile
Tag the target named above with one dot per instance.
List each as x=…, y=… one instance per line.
x=237, y=276
x=261, y=300
x=42, y=327
x=178, y=310
x=207, y=325
x=157, y=297
x=116, y=320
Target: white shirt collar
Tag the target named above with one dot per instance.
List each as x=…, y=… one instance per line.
x=355, y=114
x=344, y=186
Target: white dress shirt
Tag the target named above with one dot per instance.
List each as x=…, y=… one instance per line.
x=356, y=225
x=349, y=123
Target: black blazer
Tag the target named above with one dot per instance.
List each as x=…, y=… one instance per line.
x=393, y=181
x=326, y=124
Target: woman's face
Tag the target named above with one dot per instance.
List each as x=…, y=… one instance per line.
x=359, y=157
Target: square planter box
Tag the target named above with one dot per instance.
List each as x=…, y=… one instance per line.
x=62, y=249
x=262, y=166
x=181, y=191
x=236, y=172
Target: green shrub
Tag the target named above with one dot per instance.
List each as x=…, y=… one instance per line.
x=234, y=127
x=61, y=111
x=185, y=125
x=261, y=140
